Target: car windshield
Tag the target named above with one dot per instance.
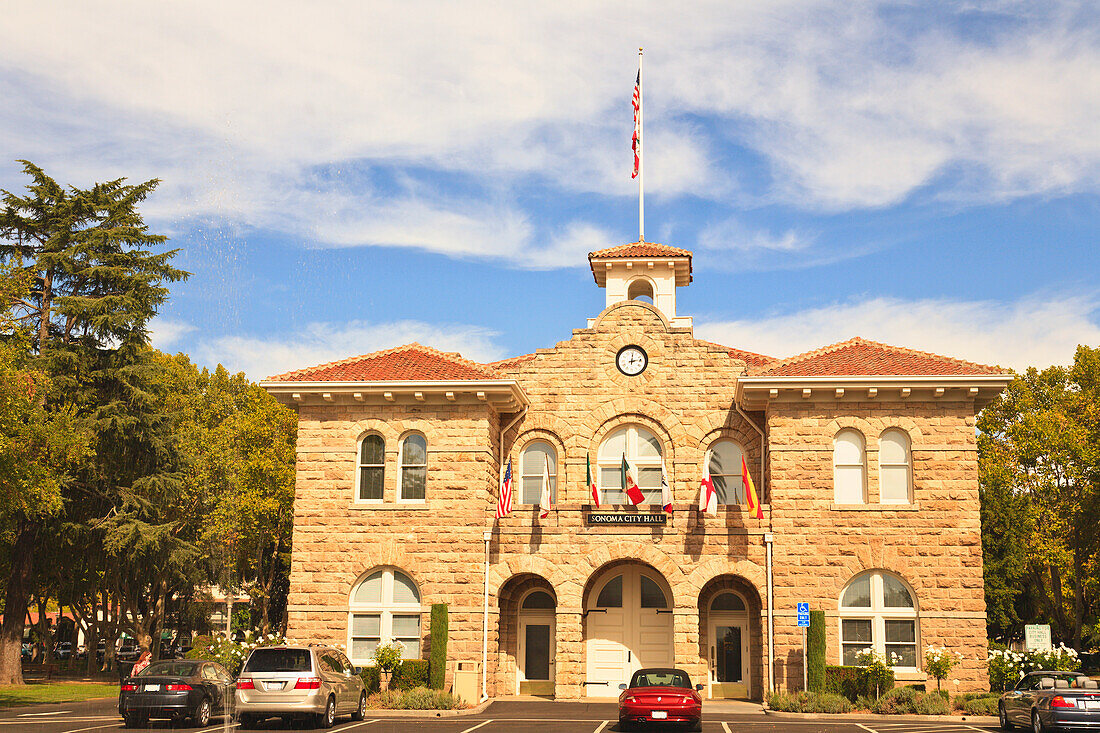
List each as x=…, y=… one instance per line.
x=278, y=660
x=168, y=669
x=660, y=678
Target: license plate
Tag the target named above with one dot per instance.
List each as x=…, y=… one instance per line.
x=659, y=714
x=151, y=688
x=1091, y=704
x=273, y=685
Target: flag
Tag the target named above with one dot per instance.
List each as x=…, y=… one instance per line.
x=637, y=139
x=666, y=491
x=546, y=501
x=750, y=490
x=504, y=503
x=630, y=483
x=708, y=498
x=591, y=481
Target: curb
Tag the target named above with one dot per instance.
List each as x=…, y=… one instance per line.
x=980, y=719
x=381, y=713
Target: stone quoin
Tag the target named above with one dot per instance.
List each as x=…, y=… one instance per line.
x=864, y=456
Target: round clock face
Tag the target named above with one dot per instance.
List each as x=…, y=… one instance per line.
x=632, y=360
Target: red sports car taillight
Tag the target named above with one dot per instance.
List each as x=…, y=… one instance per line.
x=1060, y=702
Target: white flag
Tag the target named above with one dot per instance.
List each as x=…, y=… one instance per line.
x=708, y=498
x=546, y=501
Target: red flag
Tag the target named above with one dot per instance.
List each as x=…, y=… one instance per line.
x=630, y=483
x=708, y=498
x=637, y=138
x=591, y=480
x=750, y=490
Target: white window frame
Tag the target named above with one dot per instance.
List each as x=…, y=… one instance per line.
x=401, y=469
x=862, y=465
x=517, y=496
x=359, y=466
x=386, y=609
x=738, y=478
x=632, y=457
x=907, y=449
x=878, y=614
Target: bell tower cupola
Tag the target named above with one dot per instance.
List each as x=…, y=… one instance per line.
x=644, y=271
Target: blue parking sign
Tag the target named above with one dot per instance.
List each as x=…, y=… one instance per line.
x=803, y=615
x=803, y=608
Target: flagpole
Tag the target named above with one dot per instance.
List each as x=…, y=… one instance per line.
x=641, y=158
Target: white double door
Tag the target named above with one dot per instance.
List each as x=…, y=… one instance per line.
x=629, y=626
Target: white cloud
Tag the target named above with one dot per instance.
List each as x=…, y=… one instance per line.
x=164, y=333
x=319, y=343
x=1035, y=331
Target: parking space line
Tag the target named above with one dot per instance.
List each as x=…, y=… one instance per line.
x=726, y=727
x=869, y=730
x=359, y=725
x=94, y=727
x=601, y=726
x=477, y=726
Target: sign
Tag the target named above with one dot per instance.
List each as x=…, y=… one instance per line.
x=803, y=615
x=1037, y=637
x=625, y=518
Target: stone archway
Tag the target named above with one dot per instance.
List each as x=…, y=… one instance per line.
x=526, y=636
x=731, y=637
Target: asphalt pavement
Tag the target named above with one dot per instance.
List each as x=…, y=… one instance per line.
x=101, y=716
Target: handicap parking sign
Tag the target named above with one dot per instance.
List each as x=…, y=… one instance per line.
x=803, y=608
x=803, y=614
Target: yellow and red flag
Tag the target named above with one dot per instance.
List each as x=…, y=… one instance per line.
x=750, y=491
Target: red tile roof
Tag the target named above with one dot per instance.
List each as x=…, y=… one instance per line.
x=411, y=362
x=639, y=249
x=750, y=358
x=860, y=357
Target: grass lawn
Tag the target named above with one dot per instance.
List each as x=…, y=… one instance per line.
x=35, y=693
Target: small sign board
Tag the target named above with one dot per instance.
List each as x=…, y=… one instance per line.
x=803, y=615
x=1037, y=637
x=626, y=518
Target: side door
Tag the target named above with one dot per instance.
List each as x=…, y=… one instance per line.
x=334, y=671
x=228, y=687
x=354, y=682
x=1012, y=698
x=213, y=686
x=1028, y=688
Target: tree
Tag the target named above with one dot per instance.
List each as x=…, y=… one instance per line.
x=93, y=285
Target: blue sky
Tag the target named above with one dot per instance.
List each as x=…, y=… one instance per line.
x=346, y=177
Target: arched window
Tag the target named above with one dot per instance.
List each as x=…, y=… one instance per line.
x=640, y=289
x=894, y=468
x=728, y=602
x=877, y=611
x=725, y=472
x=385, y=606
x=611, y=596
x=651, y=594
x=414, y=468
x=643, y=450
x=538, y=600
x=372, y=460
x=849, y=467
x=538, y=457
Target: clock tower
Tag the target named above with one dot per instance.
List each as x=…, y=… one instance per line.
x=644, y=271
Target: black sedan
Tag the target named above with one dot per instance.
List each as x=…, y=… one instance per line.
x=177, y=689
x=1050, y=700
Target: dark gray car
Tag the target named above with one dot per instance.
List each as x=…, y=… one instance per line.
x=1047, y=700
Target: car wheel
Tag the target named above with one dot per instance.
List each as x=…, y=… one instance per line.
x=327, y=718
x=1002, y=716
x=361, y=711
x=1036, y=722
x=201, y=718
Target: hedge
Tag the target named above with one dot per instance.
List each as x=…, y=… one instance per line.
x=848, y=681
x=815, y=652
x=437, y=654
x=409, y=674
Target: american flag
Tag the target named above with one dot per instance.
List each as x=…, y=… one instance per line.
x=637, y=139
x=504, y=504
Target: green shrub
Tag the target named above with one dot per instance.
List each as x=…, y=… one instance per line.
x=808, y=702
x=371, y=679
x=230, y=654
x=981, y=705
x=864, y=702
x=815, y=652
x=1006, y=667
x=932, y=704
x=849, y=682
x=437, y=655
x=411, y=673
x=898, y=701
x=418, y=698
x=960, y=700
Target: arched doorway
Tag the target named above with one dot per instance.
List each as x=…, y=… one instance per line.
x=535, y=675
x=628, y=626
x=731, y=638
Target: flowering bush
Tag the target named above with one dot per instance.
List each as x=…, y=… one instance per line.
x=1006, y=667
x=938, y=661
x=231, y=654
x=875, y=673
x=387, y=656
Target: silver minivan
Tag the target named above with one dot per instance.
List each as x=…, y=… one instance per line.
x=313, y=682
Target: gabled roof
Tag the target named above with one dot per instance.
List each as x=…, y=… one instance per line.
x=638, y=249
x=860, y=357
x=411, y=362
x=751, y=359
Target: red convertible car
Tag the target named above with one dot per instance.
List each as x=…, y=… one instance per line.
x=660, y=695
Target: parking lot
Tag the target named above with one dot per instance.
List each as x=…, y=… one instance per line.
x=100, y=716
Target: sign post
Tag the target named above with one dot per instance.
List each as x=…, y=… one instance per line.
x=804, y=623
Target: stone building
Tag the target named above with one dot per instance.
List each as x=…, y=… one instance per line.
x=864, y=455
